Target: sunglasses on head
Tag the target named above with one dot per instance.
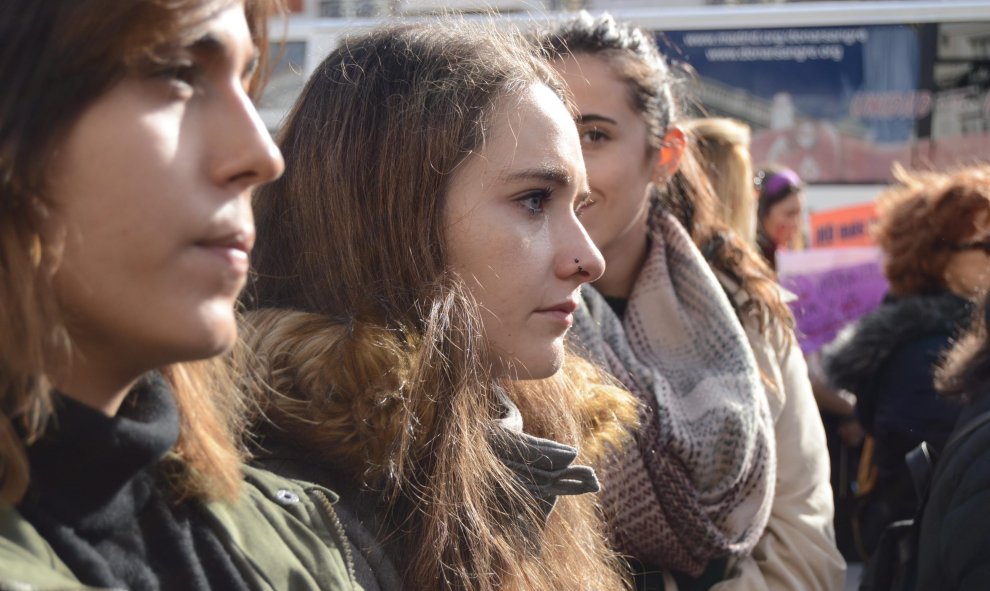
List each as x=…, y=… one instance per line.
x=981, y=244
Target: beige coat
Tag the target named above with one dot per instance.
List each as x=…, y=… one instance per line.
x=797, y=550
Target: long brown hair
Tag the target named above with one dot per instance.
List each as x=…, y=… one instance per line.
x=692, y=198
x=655, y=93
x=56, y=59
x=371, y=353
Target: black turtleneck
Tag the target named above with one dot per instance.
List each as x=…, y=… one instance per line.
x=97, y=497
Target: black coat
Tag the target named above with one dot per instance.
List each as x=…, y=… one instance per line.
x=887, y=360
x=954, y=545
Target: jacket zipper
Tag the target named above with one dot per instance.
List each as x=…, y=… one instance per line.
x=339, y=531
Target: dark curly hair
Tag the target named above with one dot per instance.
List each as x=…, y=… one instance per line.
x=922, y=217
x=652, y=83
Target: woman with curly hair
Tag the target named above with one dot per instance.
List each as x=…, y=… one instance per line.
x=704, y=498
x=129, y=145
x=418, y=267
x=933, y=229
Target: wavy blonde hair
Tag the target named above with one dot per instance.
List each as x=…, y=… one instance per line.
x=61, y=57
x=723, y=151
x=370, y=350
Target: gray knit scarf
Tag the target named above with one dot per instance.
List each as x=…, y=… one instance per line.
x=698, y=482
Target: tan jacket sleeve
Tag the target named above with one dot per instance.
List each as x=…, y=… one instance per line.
x=797, y=550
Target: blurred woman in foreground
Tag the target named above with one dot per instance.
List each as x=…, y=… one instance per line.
x=128, y=148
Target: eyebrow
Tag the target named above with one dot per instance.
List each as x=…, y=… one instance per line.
x=550, y=174
x=591, y=118
x=210, y=47
x=553, y=175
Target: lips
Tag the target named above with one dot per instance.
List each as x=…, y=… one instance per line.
x=562, y=312
x=242, y=240
x=231, y=247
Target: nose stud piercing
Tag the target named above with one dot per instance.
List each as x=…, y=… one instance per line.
x=580, y=268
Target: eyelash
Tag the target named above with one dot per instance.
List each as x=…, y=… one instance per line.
x=598, y=135
x=582, y=205
x=183, y=75
x=541, y=195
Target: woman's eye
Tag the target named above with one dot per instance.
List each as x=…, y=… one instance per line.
x=593, y=136
x=534, y=202
x=184, y=76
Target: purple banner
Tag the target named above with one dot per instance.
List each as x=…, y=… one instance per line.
x=829, y=299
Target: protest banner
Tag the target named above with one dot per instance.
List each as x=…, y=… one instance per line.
x=833, y=287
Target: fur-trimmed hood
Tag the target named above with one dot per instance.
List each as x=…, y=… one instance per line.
x=345, y=389
x=464, y=469
x=854, y=358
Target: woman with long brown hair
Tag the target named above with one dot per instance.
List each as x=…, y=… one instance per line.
x=726, y=486
x=128, y=148
x=417, y=270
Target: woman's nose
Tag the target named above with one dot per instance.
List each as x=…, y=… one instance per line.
x=245, y=152
x=580, y=259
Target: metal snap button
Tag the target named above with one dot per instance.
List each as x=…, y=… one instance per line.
x=287, y=497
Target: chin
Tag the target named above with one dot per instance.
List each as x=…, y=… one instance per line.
x=542, y=366
x=216, y=335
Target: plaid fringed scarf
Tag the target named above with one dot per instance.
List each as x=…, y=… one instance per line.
x=699, y=480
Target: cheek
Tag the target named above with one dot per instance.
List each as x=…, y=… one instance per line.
x=621, y=192
x=777, y=222
x=975, y=267
x=486, y=253
x=508, y=274
x=600, y=171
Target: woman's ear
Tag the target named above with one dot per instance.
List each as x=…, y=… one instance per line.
x=669, y=158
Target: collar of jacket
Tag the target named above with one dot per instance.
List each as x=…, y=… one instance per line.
x=280, y=530
x=545, y=468
x=859, y=351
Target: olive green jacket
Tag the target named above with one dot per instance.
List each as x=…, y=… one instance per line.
x=283, y=535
